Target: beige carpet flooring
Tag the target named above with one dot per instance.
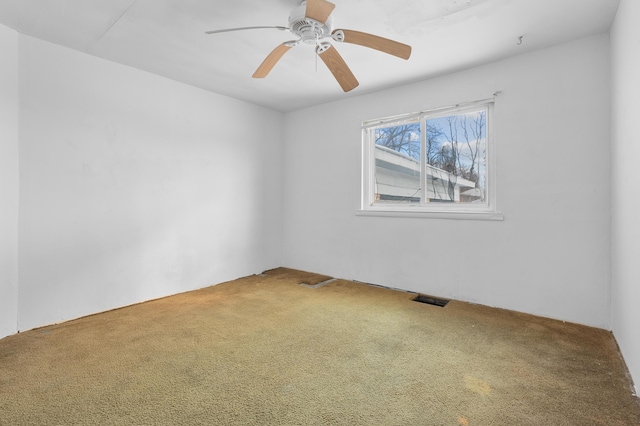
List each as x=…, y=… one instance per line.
x=265, y=350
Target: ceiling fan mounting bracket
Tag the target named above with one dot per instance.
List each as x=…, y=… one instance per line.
x=322, y=47
x=338, y=35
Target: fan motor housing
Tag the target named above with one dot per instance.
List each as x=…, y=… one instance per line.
x=309, y=30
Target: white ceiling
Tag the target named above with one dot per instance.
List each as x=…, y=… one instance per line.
x=166, y=37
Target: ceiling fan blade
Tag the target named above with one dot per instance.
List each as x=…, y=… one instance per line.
x=227, y=30
x=271, y=60
x=319, y=10
x=339, y=68
x=374, y=42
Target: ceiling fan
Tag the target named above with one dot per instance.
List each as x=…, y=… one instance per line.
x=312, y=22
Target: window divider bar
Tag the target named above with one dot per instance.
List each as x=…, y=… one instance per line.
x=423, y=161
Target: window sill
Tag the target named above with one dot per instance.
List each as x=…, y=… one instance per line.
x=433, y=214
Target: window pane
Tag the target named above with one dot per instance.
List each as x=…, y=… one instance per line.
x=397, y=159
x=456, y=158
x=430, y=163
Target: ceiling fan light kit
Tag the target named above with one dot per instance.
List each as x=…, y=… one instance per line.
x=312, y=22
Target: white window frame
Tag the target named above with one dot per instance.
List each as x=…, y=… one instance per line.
x=484, y=211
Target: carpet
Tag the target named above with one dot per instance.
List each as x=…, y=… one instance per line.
x=265, y=350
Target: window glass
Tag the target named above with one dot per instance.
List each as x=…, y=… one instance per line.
x=397, y=164
x=456, y=158
x=429, y=161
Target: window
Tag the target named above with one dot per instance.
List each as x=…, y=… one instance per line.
x=430, y=162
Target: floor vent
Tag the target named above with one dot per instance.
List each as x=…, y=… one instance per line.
x=319, y=284
x=430, y=300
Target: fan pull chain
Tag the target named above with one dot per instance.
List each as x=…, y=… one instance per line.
x=316, y=51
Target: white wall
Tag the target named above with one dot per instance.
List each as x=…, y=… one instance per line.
x=625, y=93
x=551, y=254
x=135, y=187
x=8, y=181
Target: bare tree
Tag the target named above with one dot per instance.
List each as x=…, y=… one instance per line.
x=434, y=133
x=404, y=139
x=457, y=148
x=473, y=133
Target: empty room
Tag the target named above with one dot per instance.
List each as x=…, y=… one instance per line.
x=287, y=212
